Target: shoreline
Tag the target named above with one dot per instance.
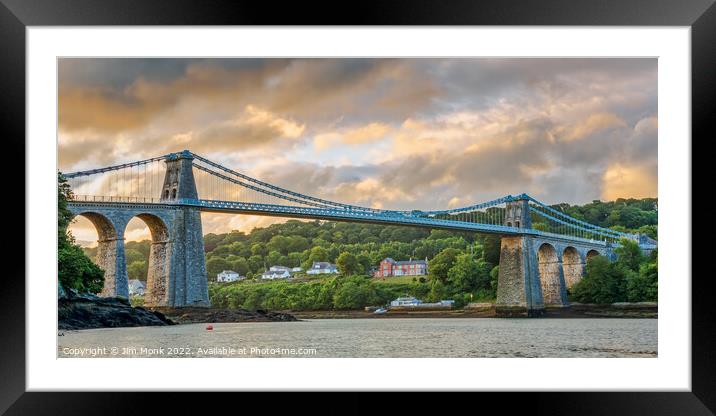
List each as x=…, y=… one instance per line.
x=622, y=311
x=91, y=312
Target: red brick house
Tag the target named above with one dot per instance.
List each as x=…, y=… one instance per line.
x=389, y=267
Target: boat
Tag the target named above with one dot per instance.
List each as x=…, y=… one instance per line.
x=380, y=311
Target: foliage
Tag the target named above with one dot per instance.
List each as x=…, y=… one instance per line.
x=441, y=264
x=138, y=270
x=348, y=264
x=75, y=270
x=633, y=277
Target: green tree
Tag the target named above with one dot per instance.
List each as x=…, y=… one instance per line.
x=216, y=265
x=240, y=266
x=644, y=285
x=603, y=283
x=75, y=270
x=365, y=262
x=138, y=270
x=492, y=249
x=352, y=294
x=441, y=264
x=629, y=255
x=347, y=264
x=259, y=249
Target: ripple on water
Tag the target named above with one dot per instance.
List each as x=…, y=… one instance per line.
x=386, y=337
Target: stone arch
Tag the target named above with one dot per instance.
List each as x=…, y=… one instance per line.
x=107, y=242
x=158, y=285
x=572, y=266
x=548, y=267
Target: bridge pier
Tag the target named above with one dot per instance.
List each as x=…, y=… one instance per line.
x=188, y=268
x=111, y=259
x=518, y=285
x=536, y=272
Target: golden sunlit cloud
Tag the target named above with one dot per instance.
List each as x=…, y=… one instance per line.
x=622, y=181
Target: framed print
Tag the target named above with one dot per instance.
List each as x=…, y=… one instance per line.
x=459, y=198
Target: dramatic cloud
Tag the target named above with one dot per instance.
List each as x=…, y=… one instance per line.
x=389, y=133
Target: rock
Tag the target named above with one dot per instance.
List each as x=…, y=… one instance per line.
x=85, y=310
x=211, y=315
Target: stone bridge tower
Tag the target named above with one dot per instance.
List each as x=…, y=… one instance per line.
x=176, y=274
x=187, y=285
x=517, y=213
x=518, y=288
x=179, y=178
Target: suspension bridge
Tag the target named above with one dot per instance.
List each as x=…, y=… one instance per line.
x=543, y=249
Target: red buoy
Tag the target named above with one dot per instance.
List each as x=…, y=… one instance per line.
x=209, y=327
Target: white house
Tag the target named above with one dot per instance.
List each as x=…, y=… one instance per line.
x=296, y=270
x=136, y=287
x=322, y=267
x=277, y=272
x=228, y=276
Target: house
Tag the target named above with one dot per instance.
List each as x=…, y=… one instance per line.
x=390, y=267
x=296, y=270
x=228, y=276
x=136, y=287
x=322, y=267
x=277, y=272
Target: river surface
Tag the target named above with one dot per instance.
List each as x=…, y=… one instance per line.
x=382, y=337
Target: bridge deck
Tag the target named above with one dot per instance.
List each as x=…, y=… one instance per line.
x=333, y=214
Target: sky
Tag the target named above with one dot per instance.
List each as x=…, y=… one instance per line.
x=387, y=133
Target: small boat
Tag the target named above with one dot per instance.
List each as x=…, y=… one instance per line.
x=209, y=327
x=380, y=311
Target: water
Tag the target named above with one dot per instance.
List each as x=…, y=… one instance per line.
x=385, y=337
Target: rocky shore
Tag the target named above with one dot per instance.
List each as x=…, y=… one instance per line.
x=87, y=311
x=211, y=315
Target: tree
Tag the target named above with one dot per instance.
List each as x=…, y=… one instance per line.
x=216, y=265
x=74, y=269
x=492, y=249
x=437, y=291
x=347, y=264
x=240, y=266
x=644, y=285
x=463, y=276
x=440, y=264
x=603, y=283
x=629, y=255
x=138, y=270
x=256, y=264
x=352, y=294
x=259, y=249
x=318, y=253
x=365, y=262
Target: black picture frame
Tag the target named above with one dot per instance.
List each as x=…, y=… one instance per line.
x=16, y=15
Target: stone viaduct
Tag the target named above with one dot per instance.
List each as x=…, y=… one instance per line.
x=536, y=270
x=177, y=269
